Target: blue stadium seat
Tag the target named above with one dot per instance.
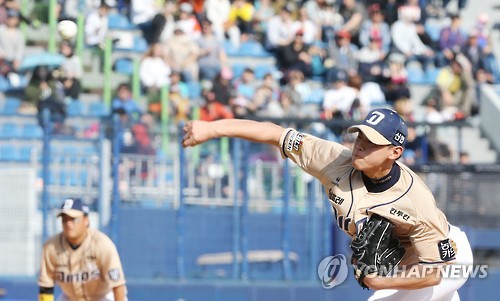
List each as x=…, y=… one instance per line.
x=431, y=75
x=31, y=131
x=75, y=108
x=237, y=69
x=230, y=49
x=124, y=66
x=316, y=96
x=25, y=153
x=253, y=49
x=415, y=75
x=433, y=30
x=194, y=90
x=263, y=69
x=4, y=84
x=9, y=153
x=119, y=21
x=10, y=130
x=98, y=109
x=140, y=44
x=11, y=106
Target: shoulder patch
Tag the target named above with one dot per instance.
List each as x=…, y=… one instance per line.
x=114, y=274
x=446, y=250
x=294, y=142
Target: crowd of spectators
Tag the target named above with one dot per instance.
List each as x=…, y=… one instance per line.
x=360, y=53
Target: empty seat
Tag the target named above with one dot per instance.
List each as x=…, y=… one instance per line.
x=11, y=106
x=119, y=21
x=253, y=49
x=140, y=44
x=124, y=66
x=98, y=109
x=194, y=90
x=9, y=153
x=261, y=70
x=32, y=131
x=75, y=108
x=10, y=130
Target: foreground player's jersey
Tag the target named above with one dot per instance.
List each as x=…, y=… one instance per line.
x=419, y=225
x=87, y=273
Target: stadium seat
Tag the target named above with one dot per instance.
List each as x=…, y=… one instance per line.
x=253, y=49
x=316, y=96
x=194, y=90
x=119, y=22
x=98, y=109
x=261, y=70
x=238, y=69
x=4, y=84
x=124, y=66
x=31, y=131
x=9, y=153
x=10, y=130
x=25, y=153
x=11, y=106
x=75, y=108
x=431, y=75
x=230, y=49
x=415, y=75
x=140, y=44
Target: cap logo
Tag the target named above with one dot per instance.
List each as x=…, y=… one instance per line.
x=399, y=137
x=68, y=204
x=375, y=118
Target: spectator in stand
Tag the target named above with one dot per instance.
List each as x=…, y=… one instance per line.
x=154, y=72
x=390, y=9
x=295, y=56
x=72, y=71
x=451, y=40
x=12, y=46
x=142, y=14
x=325, y=17
x=217, y=12
x=164, y=22
x=338, y=101
x=406, y=41
x=223, y=88
x=483, y=29
x=296, y=87
x=214, y=109
x=188, y=21
x=341, y=56
x=306, y=26
x=240, y=22
x=396, y=86
x=412, y=9
x=264, y=11
x=481, y=58
x=279, y=30
x=96, y=26
x=371, y=59
x=181, y=54
x=353, y=14
x=123, y=100
x=267, y=93
x=211, y=55
x=5, y=6
x=457, y=86
x=375, y=29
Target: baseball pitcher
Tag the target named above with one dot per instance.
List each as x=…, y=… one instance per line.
x=379, y=202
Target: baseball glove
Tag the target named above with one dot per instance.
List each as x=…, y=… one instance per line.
x=375, y=249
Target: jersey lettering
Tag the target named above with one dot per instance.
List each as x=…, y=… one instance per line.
x=81, y=276
x=342, y=221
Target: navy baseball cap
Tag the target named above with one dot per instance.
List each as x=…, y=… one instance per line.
x=383, y=127
x=74, y=207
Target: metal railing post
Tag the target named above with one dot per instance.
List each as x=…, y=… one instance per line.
x=285, y=227
x=115, y=199
x=244, y=214
x=47, y=133
x=236, y=212
x=181, y=274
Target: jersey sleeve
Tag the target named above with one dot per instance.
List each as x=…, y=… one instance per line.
x=432, y=244
x=46, y=277
x=312, y=154
x=111, y=266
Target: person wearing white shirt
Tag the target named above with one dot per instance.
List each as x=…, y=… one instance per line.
x=154, y=72
x=338, y=101
x=217, y=12
x=96, y=26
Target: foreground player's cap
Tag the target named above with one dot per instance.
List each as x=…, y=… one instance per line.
x=383, y=127
x=74, y=207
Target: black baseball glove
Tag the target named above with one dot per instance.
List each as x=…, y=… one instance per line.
x=375, y=249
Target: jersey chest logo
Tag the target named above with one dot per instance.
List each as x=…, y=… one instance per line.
x=80, y=276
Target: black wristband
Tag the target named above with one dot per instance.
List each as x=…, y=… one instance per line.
x=46, y=290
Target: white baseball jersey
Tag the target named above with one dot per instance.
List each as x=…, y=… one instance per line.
x=86, y=274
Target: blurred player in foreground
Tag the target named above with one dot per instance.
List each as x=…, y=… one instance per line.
x=364, y=182
x=82, y=261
